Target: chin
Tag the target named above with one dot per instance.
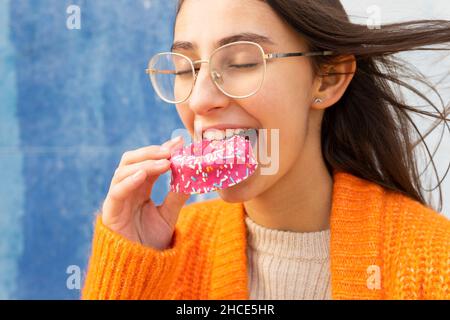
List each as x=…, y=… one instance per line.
x=244, y=191
x=232, y=196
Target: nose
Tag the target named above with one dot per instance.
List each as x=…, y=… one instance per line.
x=205, y=95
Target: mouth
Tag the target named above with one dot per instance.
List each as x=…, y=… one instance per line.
x=222, y=158
x=214, y=134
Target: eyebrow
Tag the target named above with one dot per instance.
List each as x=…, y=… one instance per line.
x=245, y=36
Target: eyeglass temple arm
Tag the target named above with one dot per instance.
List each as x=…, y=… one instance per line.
x=152, y=71
x=297, y=54
x=268, y=56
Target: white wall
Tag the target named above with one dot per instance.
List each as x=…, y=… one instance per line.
x=431, y=64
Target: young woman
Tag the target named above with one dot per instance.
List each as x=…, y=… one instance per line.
x=344, y=216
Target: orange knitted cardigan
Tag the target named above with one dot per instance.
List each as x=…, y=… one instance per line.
x=384, y=245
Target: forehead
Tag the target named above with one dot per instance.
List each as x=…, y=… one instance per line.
x=205, y=22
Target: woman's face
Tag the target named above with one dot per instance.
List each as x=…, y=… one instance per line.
x=284, y=101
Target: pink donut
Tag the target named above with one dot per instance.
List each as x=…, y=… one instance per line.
x=207, y=166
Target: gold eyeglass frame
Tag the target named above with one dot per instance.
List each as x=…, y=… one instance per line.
x=266, y=57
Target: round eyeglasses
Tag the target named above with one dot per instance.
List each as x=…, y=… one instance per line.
x=237, y=69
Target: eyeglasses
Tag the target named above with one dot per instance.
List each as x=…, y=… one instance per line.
x=237, y=69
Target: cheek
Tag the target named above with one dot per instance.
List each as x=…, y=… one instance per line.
x=284, y=100
x=287, y=88
x=284, y=103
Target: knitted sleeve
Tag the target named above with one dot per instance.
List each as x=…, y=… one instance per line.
x=417, y=253
x=122, y=269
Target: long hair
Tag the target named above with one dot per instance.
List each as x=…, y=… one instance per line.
x=369, y=132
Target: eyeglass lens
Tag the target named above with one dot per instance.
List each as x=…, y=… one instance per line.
x=238, y=70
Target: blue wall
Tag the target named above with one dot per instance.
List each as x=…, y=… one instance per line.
x=71, y=102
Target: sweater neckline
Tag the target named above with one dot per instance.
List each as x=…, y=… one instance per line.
x=311, y=246
x=355, y=233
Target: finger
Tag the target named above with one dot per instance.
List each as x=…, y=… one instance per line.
x=174, y=143
x=152, y=167
x=113, y=205
x=150, y=152
x=171, y=206
x=142, y=154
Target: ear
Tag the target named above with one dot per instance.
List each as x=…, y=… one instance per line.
x=333, y=80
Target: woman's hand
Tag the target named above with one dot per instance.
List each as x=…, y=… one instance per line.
x=128, y=209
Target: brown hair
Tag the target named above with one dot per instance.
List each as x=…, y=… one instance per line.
x=368, y=131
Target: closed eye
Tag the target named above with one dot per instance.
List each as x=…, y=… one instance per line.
x=241, y=66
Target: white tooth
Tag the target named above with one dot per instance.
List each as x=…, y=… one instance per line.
x=250, y=132
x=209, y=135
x=230, y=133
x=238, y=131
x=219, y=134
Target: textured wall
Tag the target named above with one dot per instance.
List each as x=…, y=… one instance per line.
x=71, y=102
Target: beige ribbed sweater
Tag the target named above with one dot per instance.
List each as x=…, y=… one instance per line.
x=287, y=265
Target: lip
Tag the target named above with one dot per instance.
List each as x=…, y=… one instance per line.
x=226, y=126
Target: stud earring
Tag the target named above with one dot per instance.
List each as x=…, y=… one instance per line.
x=318, y=100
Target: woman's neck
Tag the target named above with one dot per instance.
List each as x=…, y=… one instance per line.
x=299, y=202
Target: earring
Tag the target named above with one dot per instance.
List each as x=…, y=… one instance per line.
x=318, y=100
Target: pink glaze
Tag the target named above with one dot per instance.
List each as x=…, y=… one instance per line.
x=207, y=166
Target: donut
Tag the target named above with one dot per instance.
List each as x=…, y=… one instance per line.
x=206, y=166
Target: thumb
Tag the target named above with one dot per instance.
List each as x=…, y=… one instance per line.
x=172, y=205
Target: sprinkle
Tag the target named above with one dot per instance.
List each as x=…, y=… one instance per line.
x=231, y=178
x=182, y=177
x=187, y=184
x=193, y=178
x=246, y=172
